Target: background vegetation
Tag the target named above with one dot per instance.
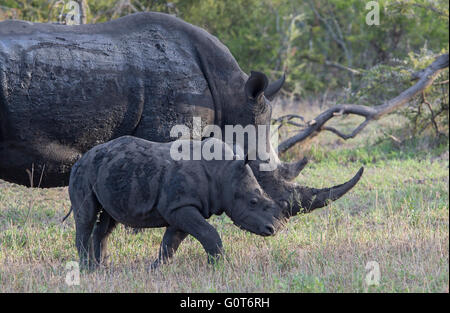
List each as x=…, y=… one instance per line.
x=297, y=36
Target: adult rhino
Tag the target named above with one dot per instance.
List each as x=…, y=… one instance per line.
x=65, y=89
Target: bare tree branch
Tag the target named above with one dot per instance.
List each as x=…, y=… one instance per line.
x=330, y=63
x=432, y=8
x=344, y=136
x=287, y=117
x=426, y=78
x=343, y=67
x=436, y=128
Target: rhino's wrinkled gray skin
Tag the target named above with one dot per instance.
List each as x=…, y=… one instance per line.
x=65, y=89
x=136, y=182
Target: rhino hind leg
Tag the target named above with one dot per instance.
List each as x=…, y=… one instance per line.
x=169, y=245
x=104, y=225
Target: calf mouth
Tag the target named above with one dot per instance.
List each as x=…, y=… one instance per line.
x=267, y=230
x=264, y=230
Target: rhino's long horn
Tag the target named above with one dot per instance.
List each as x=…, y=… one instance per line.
x=317, y=198
x=291, y=170
x=274, y=87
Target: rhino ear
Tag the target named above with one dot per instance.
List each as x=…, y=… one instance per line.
x=255, y=85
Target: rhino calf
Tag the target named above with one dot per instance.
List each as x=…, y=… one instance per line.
x=136, y=182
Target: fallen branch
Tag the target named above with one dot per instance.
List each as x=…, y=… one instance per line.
x=425, y=79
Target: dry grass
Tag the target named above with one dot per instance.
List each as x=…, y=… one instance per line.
x=398, y=216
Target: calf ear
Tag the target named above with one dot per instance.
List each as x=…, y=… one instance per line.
x=246, y=159
x=238, y=158
x=237, y=151
x=256, y=85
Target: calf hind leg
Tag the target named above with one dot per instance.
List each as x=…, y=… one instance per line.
x=104, y=226
x=169, y=245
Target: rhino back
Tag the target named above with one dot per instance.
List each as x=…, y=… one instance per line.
x=86, y=84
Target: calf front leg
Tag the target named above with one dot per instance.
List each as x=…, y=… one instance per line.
x=189, y=220
x=169, y=245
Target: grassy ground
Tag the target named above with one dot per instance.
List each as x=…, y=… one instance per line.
x=397, y=216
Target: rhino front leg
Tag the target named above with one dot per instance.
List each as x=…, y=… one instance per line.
x=189, y=220
x=169, y=245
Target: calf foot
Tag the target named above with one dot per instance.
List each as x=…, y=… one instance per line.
x=155, y=265
x=215, y=260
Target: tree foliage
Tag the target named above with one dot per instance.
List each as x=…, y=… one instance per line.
x=307, y=39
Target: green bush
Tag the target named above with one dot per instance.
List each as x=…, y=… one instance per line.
x=299, y=37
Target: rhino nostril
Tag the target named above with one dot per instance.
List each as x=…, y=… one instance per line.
x=269, y=229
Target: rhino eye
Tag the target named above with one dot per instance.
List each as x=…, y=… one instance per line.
x=253, y=201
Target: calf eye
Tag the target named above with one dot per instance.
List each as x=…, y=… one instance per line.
x=284, y=204
x=253, y=201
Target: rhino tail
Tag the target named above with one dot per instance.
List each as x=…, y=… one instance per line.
x=67, y=215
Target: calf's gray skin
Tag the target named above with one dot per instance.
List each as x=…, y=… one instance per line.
x=65, y=89
x=136, y=182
